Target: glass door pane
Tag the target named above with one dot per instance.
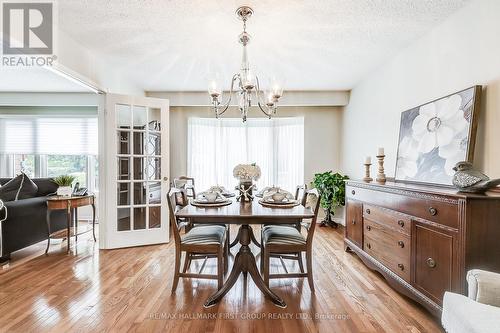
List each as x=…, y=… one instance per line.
x=139, y=188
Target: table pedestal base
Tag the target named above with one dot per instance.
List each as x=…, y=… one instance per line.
x=238, y=236
x=244, y=262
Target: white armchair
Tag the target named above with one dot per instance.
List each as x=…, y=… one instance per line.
x=478, y=313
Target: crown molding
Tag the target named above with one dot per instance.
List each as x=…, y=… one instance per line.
x=290, y=98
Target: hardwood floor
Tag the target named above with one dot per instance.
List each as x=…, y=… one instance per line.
x=128, y=290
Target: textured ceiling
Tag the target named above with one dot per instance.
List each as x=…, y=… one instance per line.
x=314, y=45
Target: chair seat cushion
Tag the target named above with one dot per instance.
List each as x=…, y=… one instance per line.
x=282, y=235
x=204, y=235
x=281, y=225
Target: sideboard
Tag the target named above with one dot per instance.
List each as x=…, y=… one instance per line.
x=422, y=239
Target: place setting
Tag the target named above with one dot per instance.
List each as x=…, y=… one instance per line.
x=276, y=197
x=215, y=196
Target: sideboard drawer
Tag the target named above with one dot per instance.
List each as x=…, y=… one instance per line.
x=389, y=218
x=390, y=247
x=435, y=208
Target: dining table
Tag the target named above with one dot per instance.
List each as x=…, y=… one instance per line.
x=245, y=214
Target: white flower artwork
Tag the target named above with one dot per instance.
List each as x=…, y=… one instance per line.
x=435, y=136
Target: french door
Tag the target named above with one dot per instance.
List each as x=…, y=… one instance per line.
x=137, y=171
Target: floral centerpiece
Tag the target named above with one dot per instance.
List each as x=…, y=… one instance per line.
x=246, y=174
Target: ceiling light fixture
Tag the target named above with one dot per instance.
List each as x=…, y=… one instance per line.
x=247, y=83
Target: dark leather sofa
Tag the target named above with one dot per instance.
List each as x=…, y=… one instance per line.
x=26, y=222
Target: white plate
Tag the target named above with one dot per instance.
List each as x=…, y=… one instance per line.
x=282, y=202
x=205, y=201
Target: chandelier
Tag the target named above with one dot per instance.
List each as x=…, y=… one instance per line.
x=247, y=84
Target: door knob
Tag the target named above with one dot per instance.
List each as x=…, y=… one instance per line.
x=401, y=244
x=368, y=211
x=401, y=267
x=401, y=223
x=431, y=262
x=433, y=211
x=369, y=228
x=165, y=179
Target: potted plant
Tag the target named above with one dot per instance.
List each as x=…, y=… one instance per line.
x=331, y=187
x=64, y=182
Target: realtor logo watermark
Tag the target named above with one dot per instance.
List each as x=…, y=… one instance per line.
x=28, y=33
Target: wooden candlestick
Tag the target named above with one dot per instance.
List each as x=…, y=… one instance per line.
x=380, y=175
x=367, y=173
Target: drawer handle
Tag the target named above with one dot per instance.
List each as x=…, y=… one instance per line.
x=401, y=244
x=353, y=221
x=401, y=267
x=368, y=246
x=353, y=192
x=401, y=223
x=368, y=211
x=369, y=228
x=433, y=211
x=431, y=262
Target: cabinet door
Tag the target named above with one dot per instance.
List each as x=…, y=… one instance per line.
x=434, y=253
x=354, y=222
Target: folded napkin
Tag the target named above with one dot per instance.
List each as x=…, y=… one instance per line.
x=268, y=192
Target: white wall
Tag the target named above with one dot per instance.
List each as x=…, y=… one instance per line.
x=75, y=59
x=463, y=51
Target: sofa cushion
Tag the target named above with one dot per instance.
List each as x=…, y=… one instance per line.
x=46, y=186
x=463, y=315
x=484, y=287
x=18, y=188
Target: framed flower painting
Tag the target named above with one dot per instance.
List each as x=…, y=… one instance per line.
x=435, y=136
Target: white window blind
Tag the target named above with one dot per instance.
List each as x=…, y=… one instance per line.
x=216, y=146
x=48, y=135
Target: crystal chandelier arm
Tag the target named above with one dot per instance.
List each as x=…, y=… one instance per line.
x=226, y=105
x=269, y=111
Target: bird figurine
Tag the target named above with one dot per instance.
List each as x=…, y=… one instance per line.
x=469, y=180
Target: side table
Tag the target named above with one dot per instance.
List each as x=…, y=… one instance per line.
x=70, y=205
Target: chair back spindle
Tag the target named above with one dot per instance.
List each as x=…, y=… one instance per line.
x=176, y=200
x=187, y=183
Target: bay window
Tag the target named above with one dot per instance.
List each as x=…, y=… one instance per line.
x=216, y=146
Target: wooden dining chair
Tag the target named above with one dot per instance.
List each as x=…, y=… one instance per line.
x=201, y=242
x=188, y=224
x=300, y=193
x=187, y=183
x=286, y=241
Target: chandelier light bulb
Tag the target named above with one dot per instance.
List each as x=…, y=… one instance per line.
x=214, y=89
x=270, y=99
x=276, y=88
x=248, y=80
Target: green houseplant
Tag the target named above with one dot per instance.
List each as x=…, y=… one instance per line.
x=331, y=187
x=65, y=182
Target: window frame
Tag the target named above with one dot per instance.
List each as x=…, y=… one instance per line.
x=41, y=168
